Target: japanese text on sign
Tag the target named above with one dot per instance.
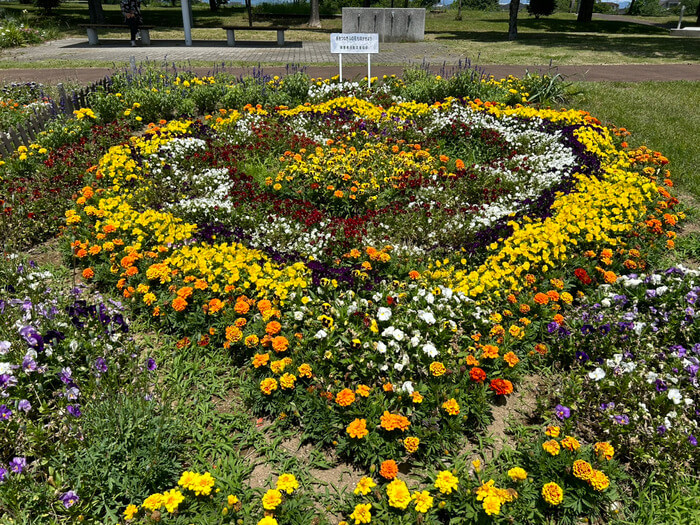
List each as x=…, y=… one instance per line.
x=354, y=43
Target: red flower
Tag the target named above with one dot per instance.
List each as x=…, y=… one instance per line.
x=582, y=276
x=477, y=374
x=502, y=387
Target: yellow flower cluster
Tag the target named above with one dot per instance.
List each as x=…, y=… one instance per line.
x=493, y=498
x=200, y=484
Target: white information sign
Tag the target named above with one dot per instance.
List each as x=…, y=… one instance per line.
x=355, y=43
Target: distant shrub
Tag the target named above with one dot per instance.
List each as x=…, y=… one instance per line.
x=541, y=7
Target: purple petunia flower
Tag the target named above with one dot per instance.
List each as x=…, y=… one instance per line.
x=101, y=365
x=17, y=465
x=661, y=430
x=69, y=499
x=562, y=412
x=692, y=440
x=74, y=410
x=24, y=405
x=151, y=364
x=5, y=413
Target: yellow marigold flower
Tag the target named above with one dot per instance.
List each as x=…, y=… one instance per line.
x=268, y=520
x=357, y=429
x=446, y=482
x=416, y=397
x=345, y=397
x=287, y=381
x=451, y=407
x=251, y=341
x=551, y=446
x=570, y=443
x=552, y=493
x=599, y=481
x=287, y=483
x=202, y=484
x=267, y=385
x=153, y=502
x=362, y=514
x=272, y=499
x=172, y=499
x=364, y=486
x=399, y=495
x=604, y=450
x=424, y=501
x=552, y=431
x=411, y=444
x=567, y=297
x=232, y=500
x=583, y=470
x=517, y=474
x=305, y=371
x=437, y=368
x=130, y=512
x=492, y=505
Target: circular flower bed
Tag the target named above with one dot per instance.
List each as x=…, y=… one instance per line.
x=380, y=274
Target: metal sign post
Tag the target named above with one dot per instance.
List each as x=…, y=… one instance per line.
x=355, y=43
x=187, y=21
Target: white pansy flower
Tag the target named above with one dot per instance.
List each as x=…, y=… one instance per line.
x=321, y=334
x=597, y=374
x=384, y=314
x=408, y=387
x=675, y=395
x=430, y=350
x=381, y=347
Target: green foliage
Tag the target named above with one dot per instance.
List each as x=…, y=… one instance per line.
x=646, y=8
x=541, y=7
x=131, y=448
x=480, y=5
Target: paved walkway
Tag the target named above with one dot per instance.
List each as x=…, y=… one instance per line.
x=314, y=57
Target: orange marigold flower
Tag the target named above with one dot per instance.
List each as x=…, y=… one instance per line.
x=273, y=328
x=185, y=292
x=541, y=348
x=214, y=306
x=599, y=481
x=541, y=298
x=362, y=390
x=416, y=397
x=389, y=469
x=413, y=275
x=264, y=305
x=524, y=308
x=472, y=361
x=179, y=304
x=388, y=387
x=451, y=406
x=459, y=164
x=610, y=277
x=201, y=284
x=287, y=381
x=511, y=359
x=88, y=273
x=251, y=341
x=502, y=387
x=394, y=421
x=553, y=295
x=489, y=352
x=559, y=319
x=345, y=397
x=261, y=360
x=233, y=334
x=357, y=429
x=280, y=344
x=241, y=307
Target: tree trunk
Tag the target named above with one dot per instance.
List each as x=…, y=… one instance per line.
x=459, y=10
x=630, y=8
x=513, y=20
x=249, y=7
x=698, y=13
x=315, y=18
x=97, y=16
x=213, y=6
x=365, y=3
x=585, y=11
x=405, y=4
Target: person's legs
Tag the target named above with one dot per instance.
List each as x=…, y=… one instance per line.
x=134, y=27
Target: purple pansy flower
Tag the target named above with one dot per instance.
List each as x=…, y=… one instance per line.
x=5, y=413
x=24, y=405
x=622, y=419
x=17, y=465
x=562, y=412
x=74, y=410
x=69, y=499
x=692, y=440
x=101, y=365
x=151, y=364
x=3, y=474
